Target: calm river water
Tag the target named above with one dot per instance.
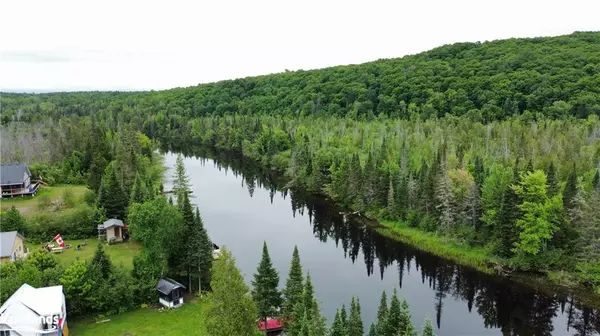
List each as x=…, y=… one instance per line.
x=242, y=208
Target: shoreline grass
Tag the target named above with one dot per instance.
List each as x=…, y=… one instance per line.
x=474, y=257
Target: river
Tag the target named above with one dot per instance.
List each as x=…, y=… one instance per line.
x=241, y=208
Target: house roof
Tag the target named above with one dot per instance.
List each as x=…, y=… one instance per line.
x=7, y=241
x=22, y=309
x=166, y=285
x=112, y=222
x=13, y=172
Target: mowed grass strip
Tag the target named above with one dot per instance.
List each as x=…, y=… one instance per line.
x=119, y=254
x=31, y=205
x=185, y=320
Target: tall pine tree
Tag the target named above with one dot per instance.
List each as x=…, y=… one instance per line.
x=355, y=323
x=199, y=252
x=570, y=190
x=382, y=313
x=292, y=293
x=428, y=329
x=506, y=231
x=265, y=292
x=553, y=187
x=112, y=197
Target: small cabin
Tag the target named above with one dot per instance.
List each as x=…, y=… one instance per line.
x=112, y=230
x=15, y=180
x=170, y=292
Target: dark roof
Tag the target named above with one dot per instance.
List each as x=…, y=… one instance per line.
x=166, y=285
x=7, y=241
x=13, y=172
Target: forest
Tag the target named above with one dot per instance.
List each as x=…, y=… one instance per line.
x=493, y=145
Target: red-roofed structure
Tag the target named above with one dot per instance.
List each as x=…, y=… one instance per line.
x=272, y=325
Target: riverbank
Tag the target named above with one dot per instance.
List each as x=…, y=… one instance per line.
x=483, y=261
x=474, y=257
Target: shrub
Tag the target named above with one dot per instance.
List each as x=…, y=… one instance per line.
x=76, y=223
x=68, y=198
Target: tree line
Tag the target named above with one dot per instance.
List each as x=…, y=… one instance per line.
x=554, y=77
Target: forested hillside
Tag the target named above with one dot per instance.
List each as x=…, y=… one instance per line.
x=494, y=145
x=554, y=76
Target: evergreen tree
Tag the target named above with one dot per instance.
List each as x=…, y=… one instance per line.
x=570, y=190
x=405, y=323
x=394, y=317
x=231, y=310
x=529, y=167
x=112, y=197
x=506, y=229
x=199, y=251
x=356, y=182
x=355, y=323
x=312, y=321
x=101, y=265
x=370, y=177
x=428, y=328
x=373, y=330
x=139, y=191
x=344, y=320
x=293, y=286
x=382, y=313
x=479, y=172
x=336, y=326
x=96, y=171
x=391, y=202
x=553, y=187
x=445, y=199
x=180, y=179
x=265, y=292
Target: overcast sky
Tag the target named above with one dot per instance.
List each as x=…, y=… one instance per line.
x=138, y=45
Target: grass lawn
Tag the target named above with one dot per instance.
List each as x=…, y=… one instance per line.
x=186, y=320
x=28, y=205
x=119, y=253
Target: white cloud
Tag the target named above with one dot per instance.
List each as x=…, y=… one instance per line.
x=71, y=45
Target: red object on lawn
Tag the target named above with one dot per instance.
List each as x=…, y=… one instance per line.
x=272, y=324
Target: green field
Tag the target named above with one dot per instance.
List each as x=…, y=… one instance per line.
x=29, y=206
x=186, y=320
x=119, y=254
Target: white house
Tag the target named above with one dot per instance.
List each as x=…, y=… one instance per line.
x=34, y=312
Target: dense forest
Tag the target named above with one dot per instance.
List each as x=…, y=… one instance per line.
x=492, y=144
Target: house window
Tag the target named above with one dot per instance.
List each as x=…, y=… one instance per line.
x=4, y=332
x=20, y=248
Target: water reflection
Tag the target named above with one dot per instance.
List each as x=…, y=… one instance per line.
x=512, y=308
